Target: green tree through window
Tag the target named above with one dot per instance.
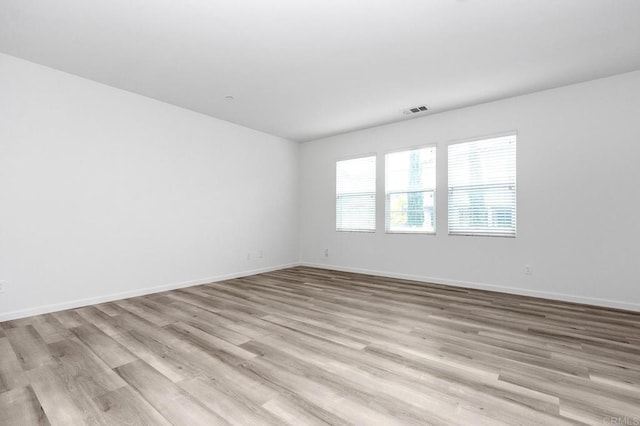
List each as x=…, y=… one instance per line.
x=410, y=184
x=415, y=208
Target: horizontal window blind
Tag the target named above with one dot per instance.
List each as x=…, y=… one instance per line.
x=410, y=186
x=356, y=194
x=482, y=187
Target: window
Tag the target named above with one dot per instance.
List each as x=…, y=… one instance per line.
x=482, y=187
x=356, y=194
x=410, y=187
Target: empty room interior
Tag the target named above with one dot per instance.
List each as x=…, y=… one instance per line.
x=319, y=212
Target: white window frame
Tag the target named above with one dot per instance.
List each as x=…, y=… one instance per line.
x=514, y=184
x=387, y=198
x=374, y=193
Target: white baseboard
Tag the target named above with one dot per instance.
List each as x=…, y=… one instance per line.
x=482, y=286
x=44, y=309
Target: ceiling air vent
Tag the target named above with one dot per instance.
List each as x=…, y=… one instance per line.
x=415, y=110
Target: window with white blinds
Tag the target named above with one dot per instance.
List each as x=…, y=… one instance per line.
x=410, y=188
x=482, y=187
x=356, y=194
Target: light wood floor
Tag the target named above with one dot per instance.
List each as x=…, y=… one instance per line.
x=308, y=346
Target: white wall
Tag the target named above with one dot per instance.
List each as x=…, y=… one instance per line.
x=578, y=198
x=104, y=193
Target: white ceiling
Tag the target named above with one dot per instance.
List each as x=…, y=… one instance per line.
x=305, y=69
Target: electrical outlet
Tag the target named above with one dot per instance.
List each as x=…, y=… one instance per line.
x=248, y=256
x=326, y=252
x=528, y=270
x=3, y=285
x=261, y=254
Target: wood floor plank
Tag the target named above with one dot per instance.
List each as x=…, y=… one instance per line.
x=234, y=408
x=171, y=401
x=312, y=346
x=50, y=329
x=110, y=351
x=213, y=345
x=20, y=406
x=11, y=372
x=134, y=306
x=125, y=406
x=110, y=308
x=20, y=322
x=160, y=356
x=292, y=413
x=219, y=331
x=63, y=401
x=70, y=318
x=78, y=365
x=322, y=332
x=29, y=347
x=99, y=319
